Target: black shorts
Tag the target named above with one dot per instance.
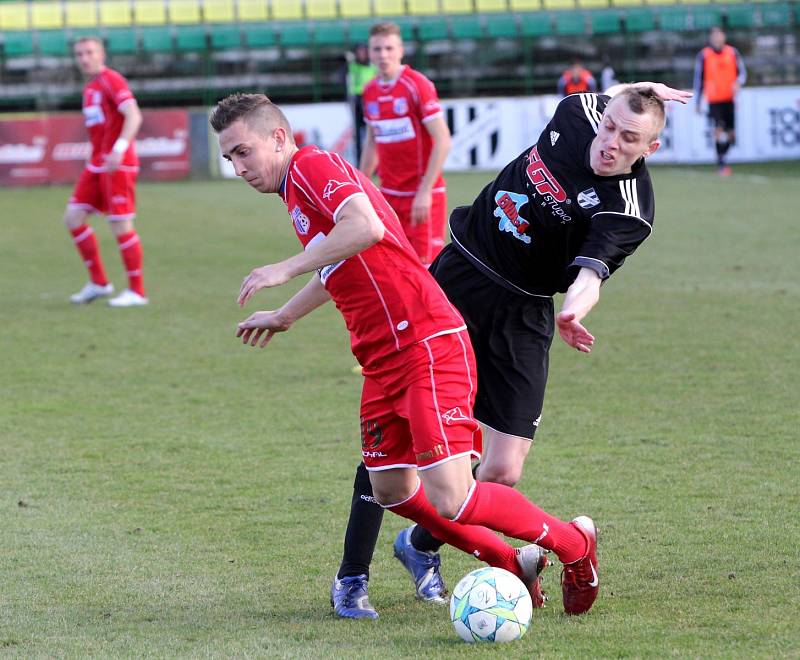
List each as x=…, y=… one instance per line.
x=511, y=335
x=722, y=115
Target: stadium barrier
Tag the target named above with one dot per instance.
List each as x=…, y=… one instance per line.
x=490, y=132
x=487, y=134
x=52, y=148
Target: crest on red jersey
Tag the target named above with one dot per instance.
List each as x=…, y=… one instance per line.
x=400, y=106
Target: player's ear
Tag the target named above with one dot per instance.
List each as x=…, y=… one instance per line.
x=652, y=148
x=279, y=135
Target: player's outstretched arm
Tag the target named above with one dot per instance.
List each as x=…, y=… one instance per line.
x=661, y=90
x=305, y=301
x=581, y=296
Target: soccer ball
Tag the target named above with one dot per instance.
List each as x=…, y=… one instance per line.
x=490, y=605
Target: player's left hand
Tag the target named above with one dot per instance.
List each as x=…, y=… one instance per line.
x=670, y=94
x=573, y=333
x=421, y=207
x=251, y=329
x=262, y=278
x=113, y=161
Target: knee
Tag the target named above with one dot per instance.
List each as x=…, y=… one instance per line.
x=390, y=496
x=448, y=503
x=507, y=474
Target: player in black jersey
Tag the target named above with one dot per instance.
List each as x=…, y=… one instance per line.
x=562, y=217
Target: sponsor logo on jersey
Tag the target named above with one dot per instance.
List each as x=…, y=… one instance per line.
x=508, y=207
x=373, y=109
x=400, y=106
x=437, y=451
x=331, y=187
x=541, y=178
x=431, y=106
x=588, y=198
x=454, y=415
x=93, y=115
x=393, y=130
x=546, y=185
x=554, y=138
x=300, y=220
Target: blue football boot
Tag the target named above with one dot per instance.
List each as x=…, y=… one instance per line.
x=423, y=566
x=350, y=599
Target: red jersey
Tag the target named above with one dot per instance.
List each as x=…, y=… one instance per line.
x=396, y=111
x=388, y=299
x=103, y=98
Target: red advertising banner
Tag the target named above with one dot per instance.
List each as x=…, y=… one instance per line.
x=41, y=149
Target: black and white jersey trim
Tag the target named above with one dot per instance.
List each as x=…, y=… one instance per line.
x=596, y=265
x=630, y=194
x=627, y=215
x=589, y=103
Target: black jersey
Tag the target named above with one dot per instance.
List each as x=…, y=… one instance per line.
x=547, y=214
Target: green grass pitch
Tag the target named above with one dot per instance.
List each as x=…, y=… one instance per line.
x=165, y=491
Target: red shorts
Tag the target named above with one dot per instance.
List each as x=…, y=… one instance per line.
x=426, y=238
x=110, y=193
x=416, y=407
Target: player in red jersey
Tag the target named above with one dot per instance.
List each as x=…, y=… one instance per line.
x=407, y=141
x=108, y=183
x=419, y=372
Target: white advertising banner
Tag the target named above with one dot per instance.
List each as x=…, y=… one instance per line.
x=490, y=132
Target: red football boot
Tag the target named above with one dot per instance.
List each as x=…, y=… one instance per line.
x=579, y=581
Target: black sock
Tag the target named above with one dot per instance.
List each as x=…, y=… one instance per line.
x=722, y=147
x=362, y=527
x=424, y=541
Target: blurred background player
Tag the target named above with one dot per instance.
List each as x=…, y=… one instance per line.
x=418, y=363
x=562, y=217
x=407, y=141
x=719, y=73
x=576, y=79
x=107, y=185
x=359, y=72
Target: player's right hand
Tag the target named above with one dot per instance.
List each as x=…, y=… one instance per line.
x=573, y=333
x=254, y=326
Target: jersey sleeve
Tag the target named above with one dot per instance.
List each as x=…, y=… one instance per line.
x=586, y=107
x=429, y=105
x=324, y=179
x=117, y=89
x=617, y=230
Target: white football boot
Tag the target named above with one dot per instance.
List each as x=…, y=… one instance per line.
x=90, y=292
x=128, y=298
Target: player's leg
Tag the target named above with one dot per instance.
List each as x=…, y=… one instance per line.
x=717, y=113
x=120, y=190
x=363, y=526
x=86, y=199
x=511, y=337
x=442, y=428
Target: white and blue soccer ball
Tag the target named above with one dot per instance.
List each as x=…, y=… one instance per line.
x=490, y=605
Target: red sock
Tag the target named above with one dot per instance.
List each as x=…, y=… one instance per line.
x=508, y=511
x=131, y=250
x=472, y=539
x=86, y=243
